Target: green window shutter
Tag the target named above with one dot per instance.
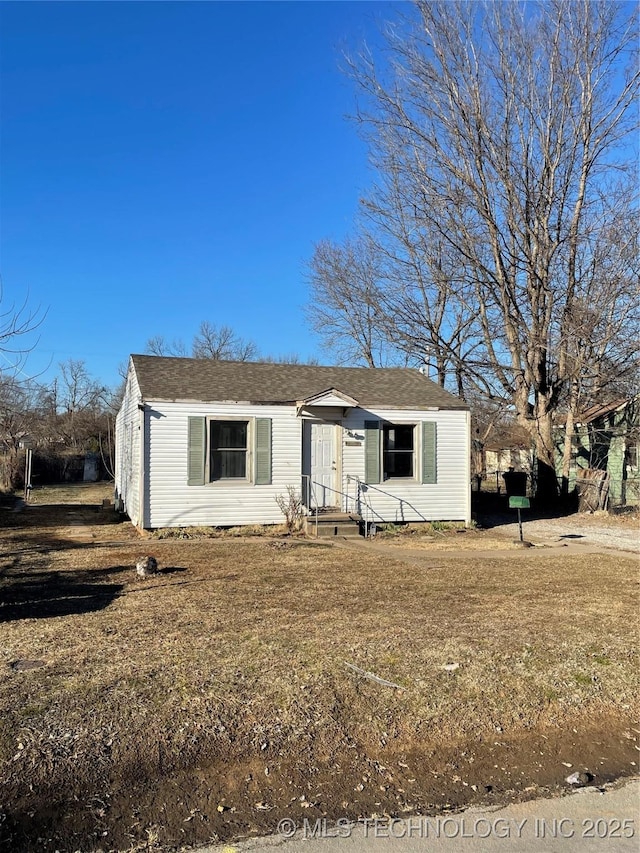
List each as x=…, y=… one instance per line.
x=429, y=452
x=197, y=444
x=372, y=452
x=263, y=451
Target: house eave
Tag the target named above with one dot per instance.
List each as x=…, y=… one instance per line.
x=368, y=404
x=199, y=401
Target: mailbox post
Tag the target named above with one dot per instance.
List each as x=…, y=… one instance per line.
x=518, y=502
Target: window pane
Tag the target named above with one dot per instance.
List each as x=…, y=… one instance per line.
x=228, y=464
x=228, y=460
x=398, y=437
x=232, y=463
x=398, y=450
x=398, y=464
x=227, y=434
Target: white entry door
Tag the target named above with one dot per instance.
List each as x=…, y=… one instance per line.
x=323, y=464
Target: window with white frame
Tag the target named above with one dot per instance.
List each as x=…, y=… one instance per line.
x=408, y=451
x=227, y=449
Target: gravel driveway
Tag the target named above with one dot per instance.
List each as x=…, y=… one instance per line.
x=622, y=534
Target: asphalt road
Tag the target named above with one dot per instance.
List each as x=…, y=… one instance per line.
x=587, y=820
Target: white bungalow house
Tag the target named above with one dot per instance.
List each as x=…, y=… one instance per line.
x=201, y=442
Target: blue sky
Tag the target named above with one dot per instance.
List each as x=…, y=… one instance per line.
x=168, y=163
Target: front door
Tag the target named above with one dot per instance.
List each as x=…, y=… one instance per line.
x=323, y=464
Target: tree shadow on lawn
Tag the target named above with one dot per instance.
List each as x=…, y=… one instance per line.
x=491, y=509
x=46, y=594
x=44, y=544
x=42, y=539
x=58, y=515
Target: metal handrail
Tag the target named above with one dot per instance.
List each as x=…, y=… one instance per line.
x=368, y=510
x=362, y=500
x=328, y=488
x=364, y=487
x=312, y=495
x=310, y=492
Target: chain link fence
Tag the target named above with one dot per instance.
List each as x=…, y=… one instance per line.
x=590, y=495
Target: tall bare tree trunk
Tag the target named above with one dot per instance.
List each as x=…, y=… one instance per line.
x=546, y=479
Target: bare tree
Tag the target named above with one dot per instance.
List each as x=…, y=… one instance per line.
x=505, y=129
x=386, y=297
x=18, y=392
x=17, y=322
x=290, y=358
x=222, y=344
x=346, y=286
x=601, y=351
x=77, y=389
x=158, y=345
x=72, y=416
x=18, y=422
x=79, y=403
x=422, y=310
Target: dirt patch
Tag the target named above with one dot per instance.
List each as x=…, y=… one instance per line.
x=212, y=699
x=452, y=540
x=231, y=796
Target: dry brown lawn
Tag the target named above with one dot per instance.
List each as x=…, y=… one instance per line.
x=426, y=538
x=239, y=645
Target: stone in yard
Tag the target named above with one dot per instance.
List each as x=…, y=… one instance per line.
x=147, y=566
x=24, y=665
x=579, y=779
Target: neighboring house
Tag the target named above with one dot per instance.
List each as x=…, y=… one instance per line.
x=507, y=446
x=607, y=438
x=201, y=442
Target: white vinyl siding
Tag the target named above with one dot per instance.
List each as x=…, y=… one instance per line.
x=409, y=499
x=173, y=502
x=128, y=444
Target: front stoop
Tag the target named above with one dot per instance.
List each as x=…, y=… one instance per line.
x=345, y=525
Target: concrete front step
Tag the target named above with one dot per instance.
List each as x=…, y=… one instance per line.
x=329, y=531
x=334, y=524
x=332, y=515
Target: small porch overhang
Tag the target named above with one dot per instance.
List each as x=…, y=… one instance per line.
x=330, y=398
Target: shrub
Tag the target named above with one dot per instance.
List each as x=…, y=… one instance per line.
x=292, y=508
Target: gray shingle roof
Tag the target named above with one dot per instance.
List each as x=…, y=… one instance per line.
x=162, y=378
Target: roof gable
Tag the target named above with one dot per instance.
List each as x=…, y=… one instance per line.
x=330, y=397
x=599, y=410
x=204, y=380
